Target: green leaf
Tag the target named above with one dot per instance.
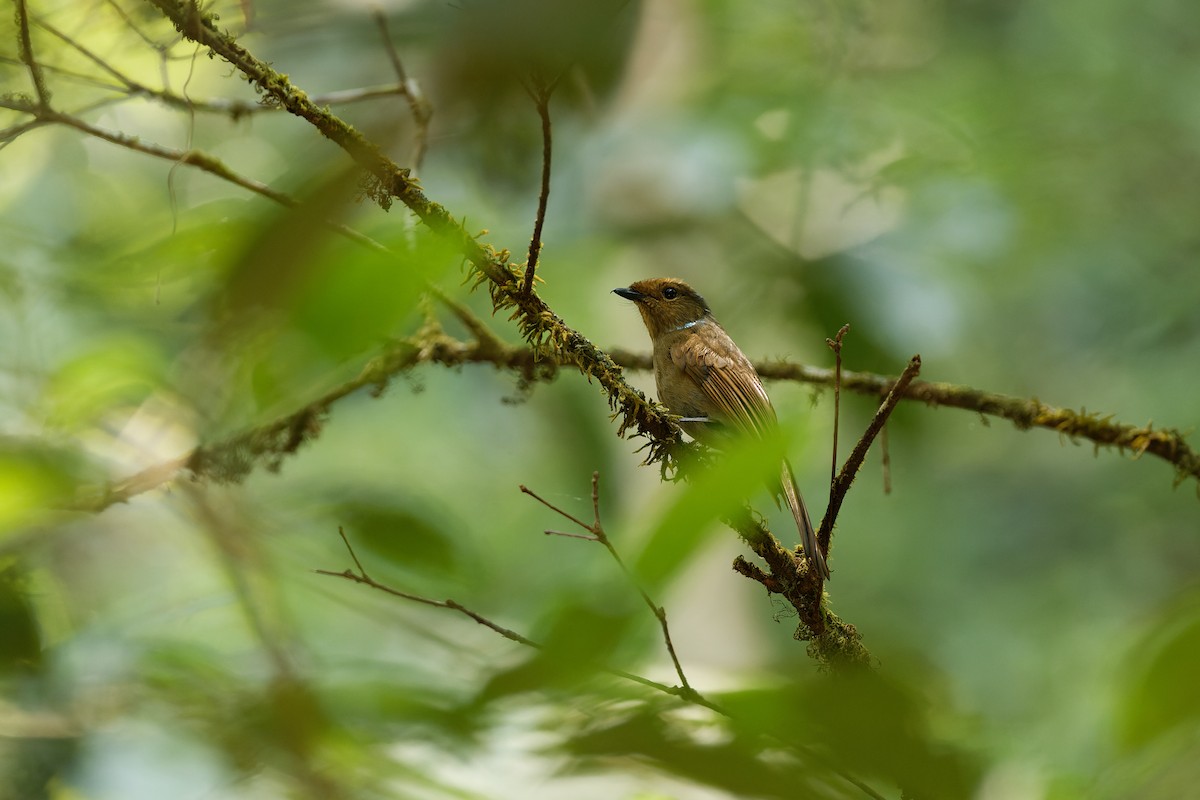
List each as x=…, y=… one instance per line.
x=401, y=532
x=21, y=643
x=1164, y=692
x=866, y=723
x=34, y=478
x=718, y=489
x=580, y=641
x=110, y=372
x=681, y=747
x=356, y=298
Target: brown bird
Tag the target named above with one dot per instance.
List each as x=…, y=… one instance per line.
x=703, y=378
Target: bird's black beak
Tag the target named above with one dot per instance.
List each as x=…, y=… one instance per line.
x=629, y=294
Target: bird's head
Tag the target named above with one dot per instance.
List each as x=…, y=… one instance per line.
x=666, y=304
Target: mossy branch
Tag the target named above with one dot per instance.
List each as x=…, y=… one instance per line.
x=539, y=325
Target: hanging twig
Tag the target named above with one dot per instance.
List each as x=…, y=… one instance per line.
x=835, y=344
x=886, y=454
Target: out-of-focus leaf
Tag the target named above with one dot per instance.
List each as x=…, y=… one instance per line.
x=290, y=317
x=546, y=38
x=252, y=724
x=685, y=749
x=30, y=765
x=161, y=269
x=580, y=641
x=286, y=248
x=20, y=642
x=325, y=296
x=401, y=531
x=740, y=472
x=289, y=725
x=356, y=298
x=391, y=708
x=196, y=679
x=112, y=371
x=866, y=724
x=1163, y=691
x=869, y=724
x=1161, y=769
x=288, y=715
x=33, y=477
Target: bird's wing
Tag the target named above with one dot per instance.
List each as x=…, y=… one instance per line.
x=725, y=376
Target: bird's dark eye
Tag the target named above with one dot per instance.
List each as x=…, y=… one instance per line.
x=670, y=293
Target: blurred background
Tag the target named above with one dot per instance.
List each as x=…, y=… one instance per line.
x=1008, y=189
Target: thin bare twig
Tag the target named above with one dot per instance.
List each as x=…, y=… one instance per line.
x=834, y=643
x=540, y=92
x=362, y=577
x=835, y=344
x=420, y=108
x=596, y=534
x=886, y=455
x=587, y=537
x=10, y=134
x=81, y=77
x=842, y=484
x=344, y=96
x=258, y=600
x=127, y=89
x=382, y=23
x=353, y=555
x=25, y=44
x=129, y=23
x=127, y=82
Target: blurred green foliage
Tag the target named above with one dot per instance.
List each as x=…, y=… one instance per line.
x=1007, y=188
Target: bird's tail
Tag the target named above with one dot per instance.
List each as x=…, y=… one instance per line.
x=808, y=535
